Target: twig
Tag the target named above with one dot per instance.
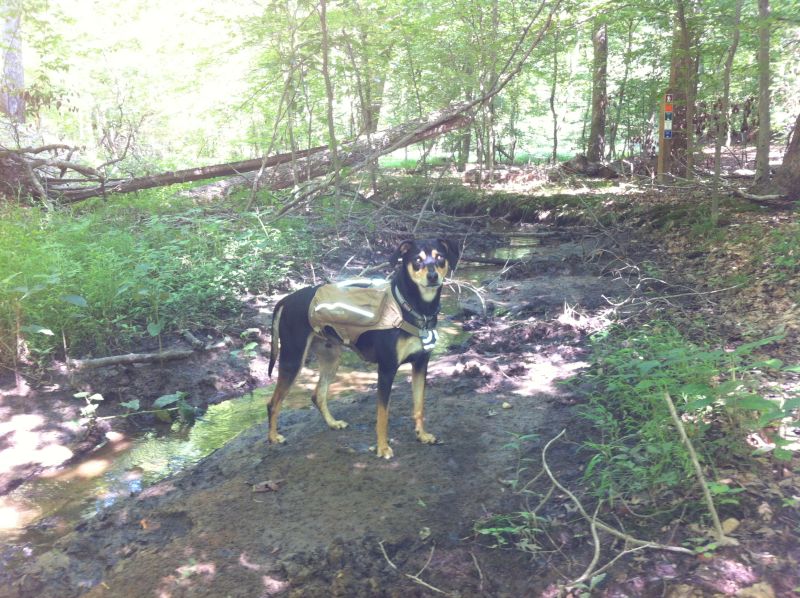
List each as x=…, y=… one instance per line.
x=478, y=567
x=589, y=571
x=600, y=525
x=414, y=578
x=721, y=537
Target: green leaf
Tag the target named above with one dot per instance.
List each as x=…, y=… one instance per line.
x=769, y=363
x=165, y=400
x=75, y=300
x=755, y=403
x=132, y=405
x=646, y=366
x=34, y=329
x=164, y=416
x=155, y=328
x=699, y=404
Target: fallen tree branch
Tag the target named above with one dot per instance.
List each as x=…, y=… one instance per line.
x=721, y=537
x=100, y=362
x=599, y=524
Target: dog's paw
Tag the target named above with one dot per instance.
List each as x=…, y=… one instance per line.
x=277, y=439
x=386, y=453
x=337, y=424
x=426, y=438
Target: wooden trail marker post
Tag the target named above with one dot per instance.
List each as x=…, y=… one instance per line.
x=664, y=137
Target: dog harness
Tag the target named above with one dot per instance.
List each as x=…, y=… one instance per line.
x=350, y=308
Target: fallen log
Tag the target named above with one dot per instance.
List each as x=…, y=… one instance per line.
x=131, y=358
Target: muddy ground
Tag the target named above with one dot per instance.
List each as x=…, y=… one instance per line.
x=331, y=519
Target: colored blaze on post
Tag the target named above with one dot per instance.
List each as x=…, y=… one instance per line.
x=664, y=136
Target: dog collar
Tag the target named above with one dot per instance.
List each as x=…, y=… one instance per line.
x=424, y=326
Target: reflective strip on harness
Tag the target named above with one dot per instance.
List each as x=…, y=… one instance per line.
x=354, y=307
x=346, y=307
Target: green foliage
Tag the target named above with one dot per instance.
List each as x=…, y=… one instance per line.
x=783, y=252
x=139, y=267
x=518, y=530
x=639, y=451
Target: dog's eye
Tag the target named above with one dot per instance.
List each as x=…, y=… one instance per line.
x=440, y=260
x=418, y=263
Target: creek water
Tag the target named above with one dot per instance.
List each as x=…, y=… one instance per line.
x=37, y=513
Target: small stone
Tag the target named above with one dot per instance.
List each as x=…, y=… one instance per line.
x=506, y=405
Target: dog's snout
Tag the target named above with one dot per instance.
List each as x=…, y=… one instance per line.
x=433, y=275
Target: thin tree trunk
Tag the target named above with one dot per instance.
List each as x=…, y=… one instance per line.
x=762, y=144
x=323, y=23
x=12, y=85
x=597, y=132
x=723, y=116
x=612, y=136
x=553, y=89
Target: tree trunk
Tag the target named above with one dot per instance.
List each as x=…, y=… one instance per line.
x=332, y=144
x=788, y=175
x=553, y=89
x=612, y=136
x=12, y=86
x=680, y=77
x=723, y=114
x=762, y=143
x=597, y=133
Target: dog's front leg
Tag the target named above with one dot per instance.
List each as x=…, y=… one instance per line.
x=419, y=372
x=385, y=380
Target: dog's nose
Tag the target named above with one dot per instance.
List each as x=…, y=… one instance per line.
x=433, y=276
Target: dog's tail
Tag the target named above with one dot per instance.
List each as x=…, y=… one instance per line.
x=275, y=343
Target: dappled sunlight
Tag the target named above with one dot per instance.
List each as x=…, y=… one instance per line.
x=91, y=468
x=15, y=515
x=27, y=442
x=542, y=375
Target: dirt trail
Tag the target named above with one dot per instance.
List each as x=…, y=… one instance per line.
x=206, y=533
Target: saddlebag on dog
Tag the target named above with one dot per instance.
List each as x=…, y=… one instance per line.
x=352, y=307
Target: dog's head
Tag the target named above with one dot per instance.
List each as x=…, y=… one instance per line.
x=427, y=263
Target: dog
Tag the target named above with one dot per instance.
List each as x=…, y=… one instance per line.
x=416, y=288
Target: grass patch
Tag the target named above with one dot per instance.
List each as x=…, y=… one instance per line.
x=103, y=277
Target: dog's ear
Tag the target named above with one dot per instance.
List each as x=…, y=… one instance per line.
x=451, y=251
x=401, y=251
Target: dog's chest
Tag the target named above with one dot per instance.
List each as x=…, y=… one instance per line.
x=408, y=345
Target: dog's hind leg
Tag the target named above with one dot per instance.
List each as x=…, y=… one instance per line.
x=293, y=353
x=328, y=355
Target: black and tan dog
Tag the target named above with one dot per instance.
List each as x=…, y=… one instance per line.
x=416, y=287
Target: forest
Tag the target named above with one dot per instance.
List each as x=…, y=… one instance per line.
x=614, y=395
